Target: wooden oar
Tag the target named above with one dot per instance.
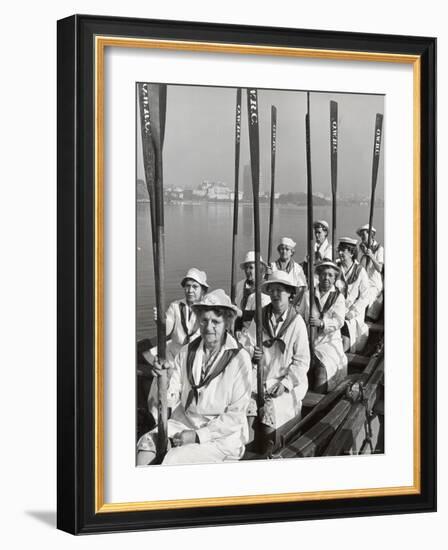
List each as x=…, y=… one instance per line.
x=310, y=233
x=254, y=145
x=152, y=99
x=236, y=193
x=334, y=168
x=375, y=163
x=273, y=153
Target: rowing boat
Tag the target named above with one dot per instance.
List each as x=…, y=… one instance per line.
x=348, y=420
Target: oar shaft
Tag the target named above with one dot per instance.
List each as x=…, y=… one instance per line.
x=162, y=389
x=310, y=217
x=158, y=137
x=272, y=201
x=236, y=194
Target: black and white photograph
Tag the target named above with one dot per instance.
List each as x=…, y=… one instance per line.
x=199, y=201
x=259, y=274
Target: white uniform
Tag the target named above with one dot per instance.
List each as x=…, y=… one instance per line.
x=250, y=303
x=294, y=269
x=355, y=286
x=328, y=347
x=321, y=252
x=216, y=409
x=181, y=327
x=375, y=279
x=287, y=362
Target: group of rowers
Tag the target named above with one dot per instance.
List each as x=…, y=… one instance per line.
x=212, y=354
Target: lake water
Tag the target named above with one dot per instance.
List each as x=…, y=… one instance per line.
x=201, y=236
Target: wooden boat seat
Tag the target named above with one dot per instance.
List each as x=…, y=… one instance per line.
x=311, y=399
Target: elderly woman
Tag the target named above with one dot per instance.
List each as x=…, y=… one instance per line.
x=286, y=249
x=245, y=291
x=354, y=283
x=327, y=317
x=285, y=355
x=208, y=392
x=372, y=259
x=181, y=323
x=322, y=248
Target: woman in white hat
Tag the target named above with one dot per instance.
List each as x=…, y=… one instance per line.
x=245, y=290
x=372, y=259
x=208, y=392
x=327, y=316
x=285, y=356
x=286, y=249
x=322, y=248
x=181, y=322
x=354, y=284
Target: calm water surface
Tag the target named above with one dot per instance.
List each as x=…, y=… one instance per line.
x=201, y=236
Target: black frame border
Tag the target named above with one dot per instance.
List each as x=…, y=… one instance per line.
x=76, y=262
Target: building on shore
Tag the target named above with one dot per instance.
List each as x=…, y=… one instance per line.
x=215, y=192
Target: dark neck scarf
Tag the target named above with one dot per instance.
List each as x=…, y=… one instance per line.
x=220, y=367
x=317, y=254
x=297, y=301
x=288, y=267
x=183, y=321
x=331, y=299
x=355, y=270
x=247, y=291
x=266, y=315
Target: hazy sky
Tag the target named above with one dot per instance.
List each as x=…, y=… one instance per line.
x=200, y=139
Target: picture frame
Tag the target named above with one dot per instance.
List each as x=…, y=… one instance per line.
x=82, y=238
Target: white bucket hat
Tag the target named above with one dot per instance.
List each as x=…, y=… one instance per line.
x=365, y=228
x=217, y=299
x=327, y=263
x=348, y=240
x=281, y=277
x=250, y=258
x=322, y=223
x=287, y=241
x=197, y=275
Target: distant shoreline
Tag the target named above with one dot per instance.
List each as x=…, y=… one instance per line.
x=262, y=204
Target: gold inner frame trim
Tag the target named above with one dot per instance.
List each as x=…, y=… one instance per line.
x=101, y=42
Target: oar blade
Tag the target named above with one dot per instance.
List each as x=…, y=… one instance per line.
x=378, y=137
x=334, y=131
x=334, y=144
x=272, y=196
